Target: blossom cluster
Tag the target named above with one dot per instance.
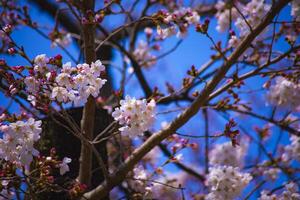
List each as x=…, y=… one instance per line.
x=251, y=13
x=135, y=116
x=182, y=17
x=292, y=151
x=6, y=192
x=295, y=12
x=78, y=86
x=140, y=183
x=226, y=182
x=72, y=84
x=63, y=40
x=225, y=179
x=17, y=144
x=226, y=154
x=161, y=187
x=291, y=192
x=254, y=11
x=143, y=54
x=271, y=173
x=284, y=93
x=224, y=16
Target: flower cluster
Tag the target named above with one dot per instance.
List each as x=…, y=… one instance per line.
x=161, y=188
x=140, y=182
x=290, y=193
x=292, y=151
x=271, y=173
x=233, y=41
x=228, y=13
x=224, y=16
x=143, y=54
x=72, y=84
x=77, y=84
x=295, y=12
x=226, y=154
x=284, y=93
x=17, y=145
x=254, y=11
x=6, y=192
x=291, y=32
x=183, y=18
x=226, y=182
x=63, y=40
x=135, y=116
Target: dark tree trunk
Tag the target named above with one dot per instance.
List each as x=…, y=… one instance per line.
x=67, y=145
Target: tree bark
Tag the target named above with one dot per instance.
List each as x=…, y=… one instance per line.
x=87, y=121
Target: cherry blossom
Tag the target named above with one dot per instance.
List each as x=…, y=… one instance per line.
x=271, y=173
x=71, y=84
x=226, y=182
x=291, y=192
x=284, y=93
x=224, y=15
x=40, y=62
x=254, y=11
x=164, y=33
x=206, y=112
x=226, y=154
x=17, y=145
x=64, y=40
x=292, y=151
x=233, y=41
x=143, y=54
x=181, y=18
x=63, y=167
x=134, y=116
x=295, y=12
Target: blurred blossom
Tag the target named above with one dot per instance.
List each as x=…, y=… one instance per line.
x=226, y=154
x=284, y=93
x=226, y=182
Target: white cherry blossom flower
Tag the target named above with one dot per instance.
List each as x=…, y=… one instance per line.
x=292, y=151
x=18, y=139
x=253, y=12
x=64, y=167
x=63, y=79
x=32, y=84
x=295, y=11
x=60, y=94
x=226, y=154
x=135, y=116
x=64, y=40
x=226, y=182
x=40, y=62
x=291, y=192
x=284, y=93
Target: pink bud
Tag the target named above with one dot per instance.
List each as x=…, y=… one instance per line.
x=2, y=117
x=13, y=91
x=7, y=28
x=194, y=146
x=11, y=51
